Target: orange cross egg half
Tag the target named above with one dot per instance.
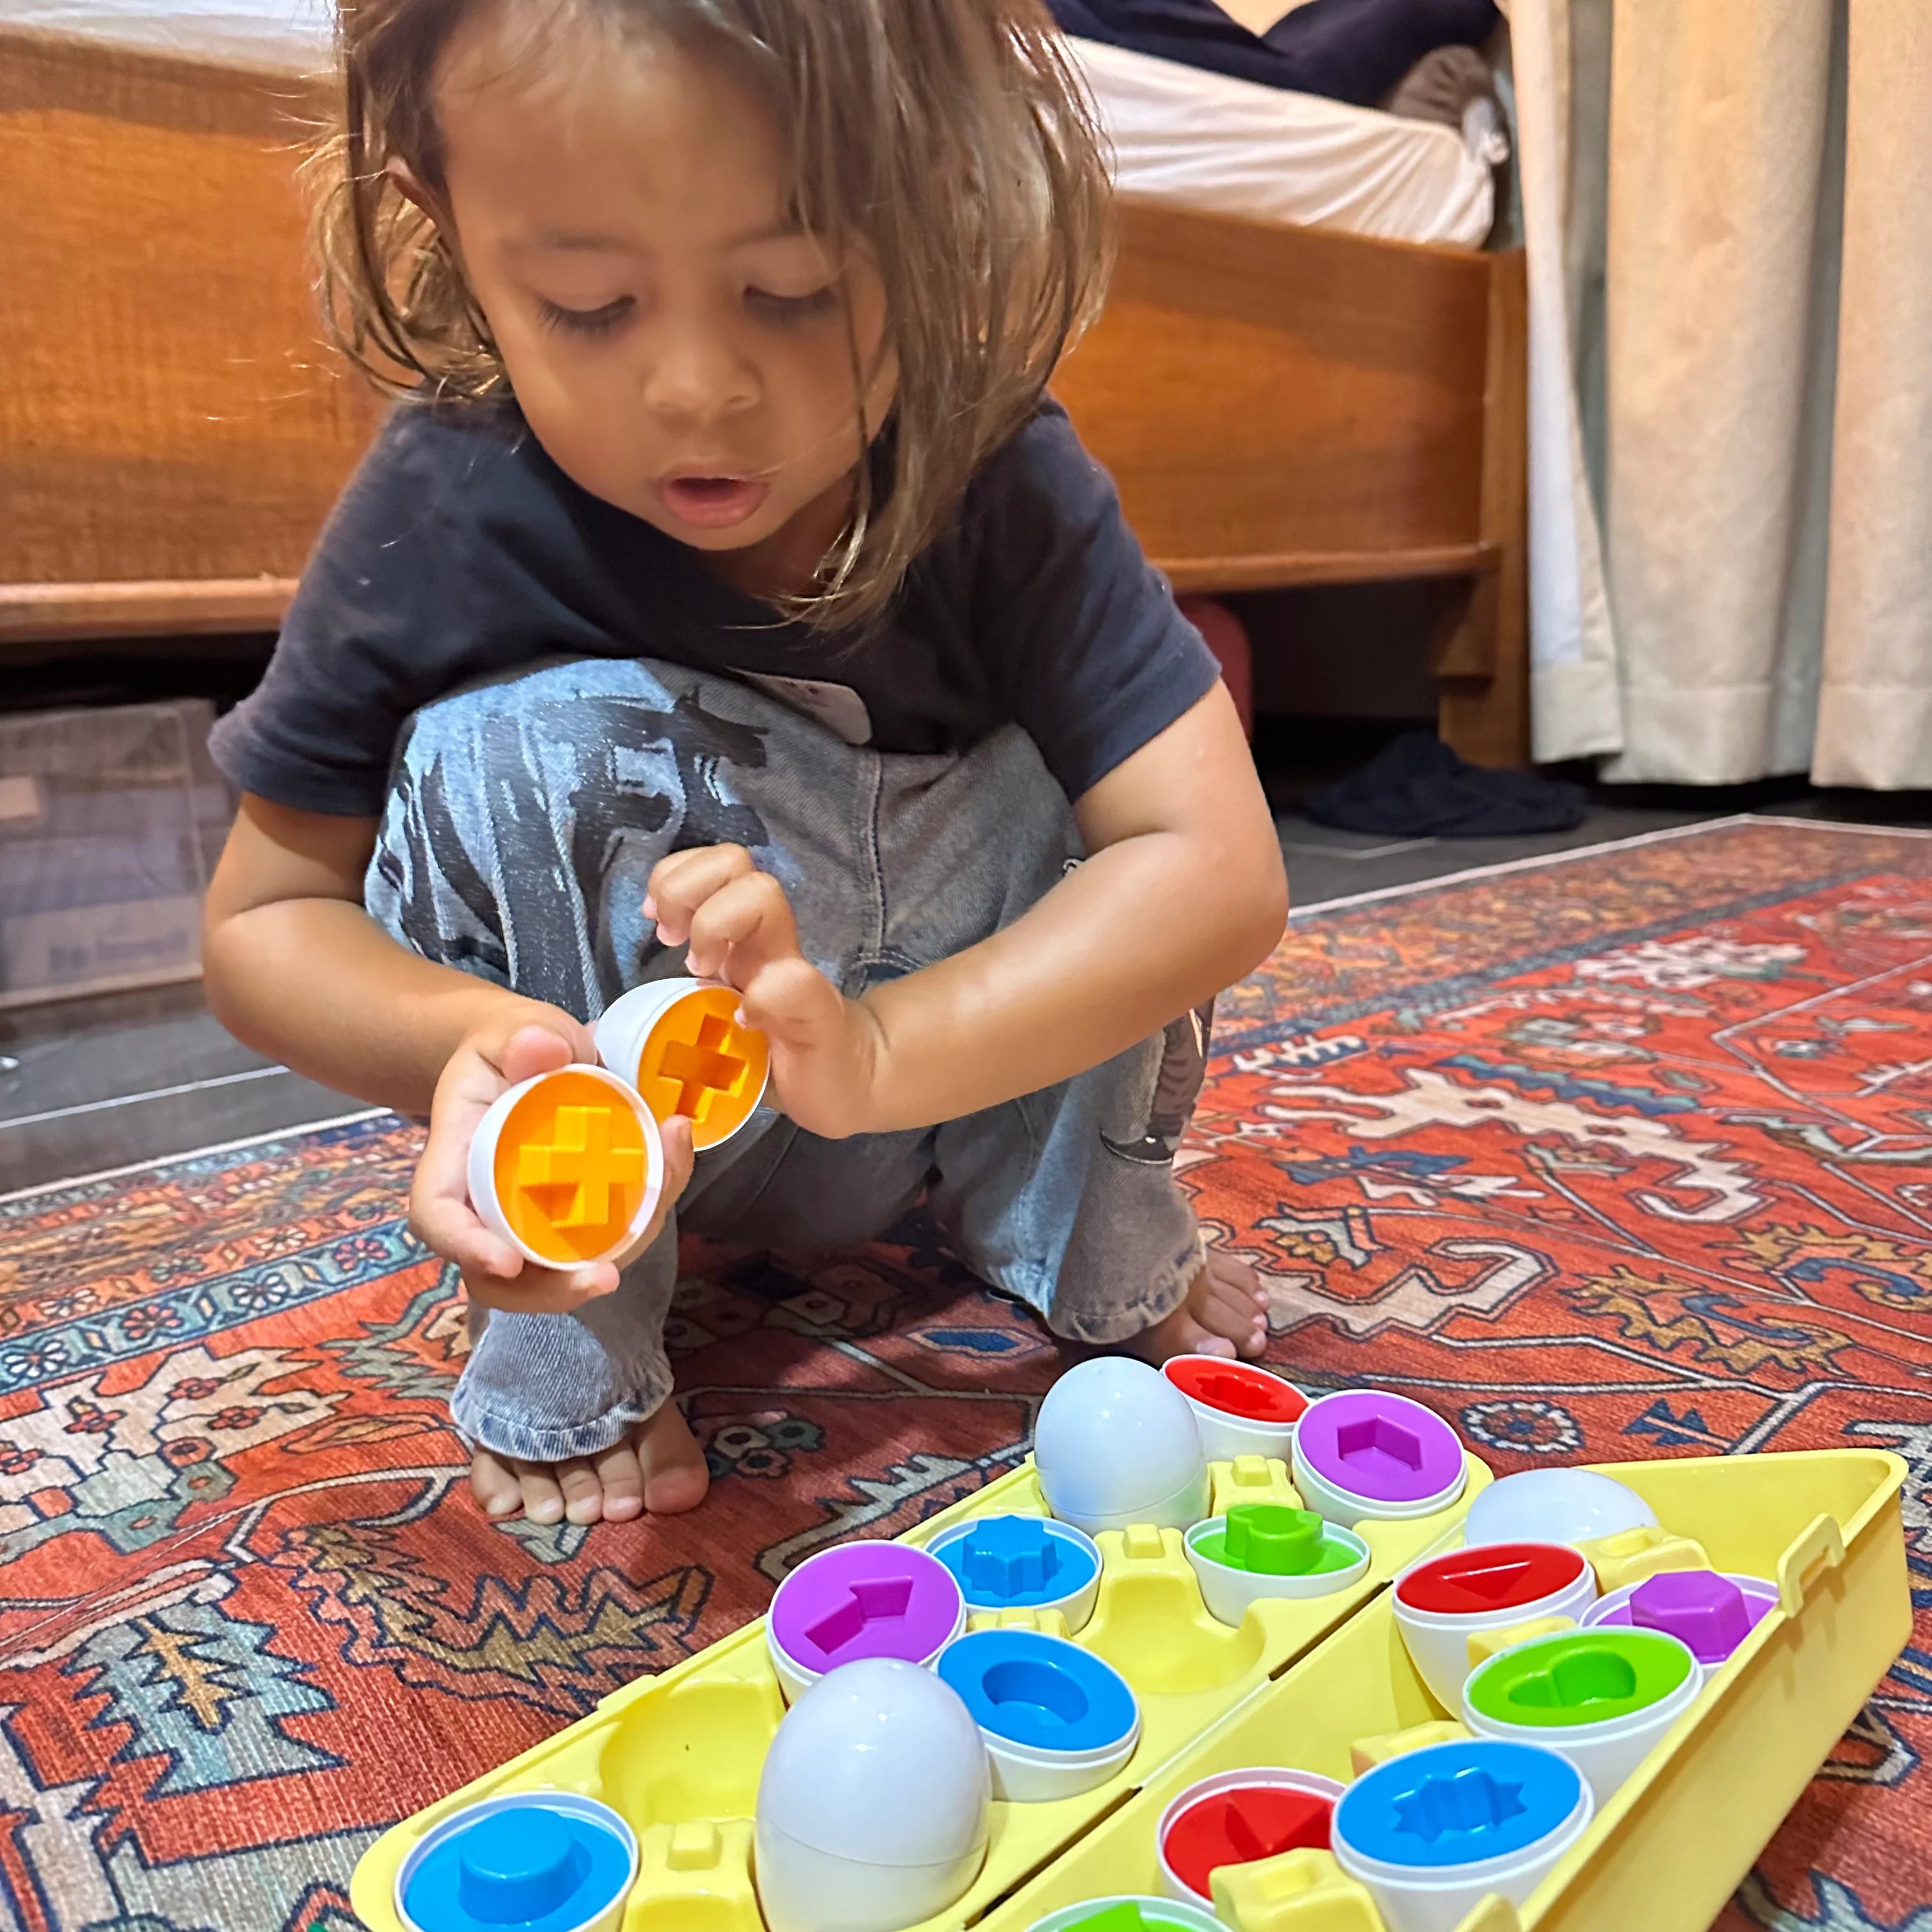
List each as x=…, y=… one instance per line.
x=678, y=1042
x=568, y=1166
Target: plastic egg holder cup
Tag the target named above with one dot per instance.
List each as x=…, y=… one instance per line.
x=1116, y=1446
x=1237, y=1817
x=679, y=1043
x=1711, y=1611
x=1056, y=1720
x=873, y=1803
x=1602, y=1697
x=1260, y=1550
x=568, y=1168
x=1431, y=1832
x=539, y=1861
x=857, y=1601
x=1023, y=1563
x=1556, y=1506
x=1363, y=1455
x=1129, y=1915
x=1443, y=1602
x=1240, y=1410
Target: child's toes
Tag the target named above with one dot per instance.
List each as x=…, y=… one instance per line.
x=543, y=1500
x=494, y=1486
x=621, y=1481
x=583, y=1489
x=675, y=1477
x=1234, y=1303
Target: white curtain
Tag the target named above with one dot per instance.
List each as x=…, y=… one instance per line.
x=1728, y=209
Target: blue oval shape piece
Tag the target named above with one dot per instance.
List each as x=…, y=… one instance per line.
x=1458, y=1804
x=1043, y=1692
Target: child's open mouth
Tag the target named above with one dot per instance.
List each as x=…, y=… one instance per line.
x=712, y=502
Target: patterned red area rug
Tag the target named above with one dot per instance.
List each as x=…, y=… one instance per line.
x=1629, y=1155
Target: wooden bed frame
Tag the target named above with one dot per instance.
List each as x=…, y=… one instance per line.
x=1279, y=406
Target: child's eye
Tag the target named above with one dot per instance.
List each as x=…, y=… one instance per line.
x=794, y=308
x=584, y=321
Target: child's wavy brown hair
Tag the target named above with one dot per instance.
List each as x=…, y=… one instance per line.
x=952, y=137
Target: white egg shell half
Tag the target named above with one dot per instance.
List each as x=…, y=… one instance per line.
x=1116, y=1443
x=1555, y=1506
x=877, y=1764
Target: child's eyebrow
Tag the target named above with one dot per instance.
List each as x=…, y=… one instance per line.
x=564, y=237
x=585, y=242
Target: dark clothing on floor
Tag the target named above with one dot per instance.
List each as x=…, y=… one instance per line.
x=1353, y=50
x=1418, y=788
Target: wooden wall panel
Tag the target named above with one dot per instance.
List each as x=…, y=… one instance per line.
x=1284, y=405
x=167, y=410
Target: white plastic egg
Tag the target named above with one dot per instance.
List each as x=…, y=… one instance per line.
x=872, y=1807
x=1116, y=1443
x=1555, y=1506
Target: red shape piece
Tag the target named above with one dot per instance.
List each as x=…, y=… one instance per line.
x=1494, y=1576
x=1237, y=1389
x=1236, y=1827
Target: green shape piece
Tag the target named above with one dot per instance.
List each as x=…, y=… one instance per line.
x=1271, y=1540
x=1585, y=1677
x=1124, y=1917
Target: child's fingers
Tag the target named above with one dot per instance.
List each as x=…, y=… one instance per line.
x=542, y=1290
x=680, y=1158
x=534, y=1049
x=793, y=1003
x=675, y=1134
x=684, y=881
x=448, y=1225
x=741, y=928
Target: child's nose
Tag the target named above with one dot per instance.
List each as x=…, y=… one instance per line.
x=695, y=376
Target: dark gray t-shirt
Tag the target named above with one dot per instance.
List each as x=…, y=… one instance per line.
x=459, y=550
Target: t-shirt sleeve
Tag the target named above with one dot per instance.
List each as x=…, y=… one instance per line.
x=376, y=626
x=1080, y=631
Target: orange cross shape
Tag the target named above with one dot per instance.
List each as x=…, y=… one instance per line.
x=702, y=1067
x=582, y=1159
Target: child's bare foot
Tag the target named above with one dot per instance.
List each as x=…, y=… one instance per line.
x=1226, y=1313
x=658, y=1467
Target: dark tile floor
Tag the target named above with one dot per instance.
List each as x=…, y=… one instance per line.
x=1324, y=865
x=125, y=1077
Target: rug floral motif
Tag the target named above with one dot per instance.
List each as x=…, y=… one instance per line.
x=1625, y=1156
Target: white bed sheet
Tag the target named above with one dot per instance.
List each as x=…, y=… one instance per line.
x=1204, y=141
x=281, y=36
x=1179, y=135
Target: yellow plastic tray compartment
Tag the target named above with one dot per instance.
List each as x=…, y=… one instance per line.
x=679, y=1755
x=1670, y=1847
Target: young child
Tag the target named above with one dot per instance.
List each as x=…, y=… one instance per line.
x=726, y=581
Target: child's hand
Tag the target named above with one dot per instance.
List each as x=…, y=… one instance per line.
x=826, y=1049
x=529, y=1039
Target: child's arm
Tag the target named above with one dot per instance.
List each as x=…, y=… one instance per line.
x=294, y=967
x=1183, y=893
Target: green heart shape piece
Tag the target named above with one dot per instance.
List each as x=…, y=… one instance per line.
x=1584, y=1677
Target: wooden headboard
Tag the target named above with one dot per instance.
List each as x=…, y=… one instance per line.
x=1280, y=406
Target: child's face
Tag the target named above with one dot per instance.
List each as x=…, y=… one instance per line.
x=678, y=348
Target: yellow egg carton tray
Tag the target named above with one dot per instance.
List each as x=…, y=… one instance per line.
x=1323, y=1684
x=1670, y=1847
x=679, y=1755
